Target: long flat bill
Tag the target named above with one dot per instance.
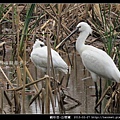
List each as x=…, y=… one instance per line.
x=62, y=42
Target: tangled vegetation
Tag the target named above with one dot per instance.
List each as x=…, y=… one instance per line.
x=21, y=24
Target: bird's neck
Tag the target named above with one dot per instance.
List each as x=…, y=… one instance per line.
x=80, y=43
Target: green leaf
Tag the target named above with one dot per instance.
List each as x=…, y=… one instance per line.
x=26, y=24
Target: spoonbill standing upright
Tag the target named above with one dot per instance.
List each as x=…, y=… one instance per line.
x=39, y=58
x=95, y=60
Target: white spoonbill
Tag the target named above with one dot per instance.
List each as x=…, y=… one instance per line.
x=39, y=58
x=96, y=61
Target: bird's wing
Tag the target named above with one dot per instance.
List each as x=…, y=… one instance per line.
x=57, y=60
x=97, y=61
x=39, y=57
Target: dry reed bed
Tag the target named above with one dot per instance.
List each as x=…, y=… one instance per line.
x=21, y=24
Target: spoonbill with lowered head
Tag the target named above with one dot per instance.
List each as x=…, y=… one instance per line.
x=96, y=61
x=39, y=58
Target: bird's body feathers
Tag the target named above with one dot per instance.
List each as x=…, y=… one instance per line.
x=100, y=63
x=39, y=58
x=96, y=61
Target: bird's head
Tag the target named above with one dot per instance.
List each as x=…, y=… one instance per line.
x=83, y=26
x=38, y=44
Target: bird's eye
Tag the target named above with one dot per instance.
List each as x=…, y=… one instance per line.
x=78, y=27
x=41, y=45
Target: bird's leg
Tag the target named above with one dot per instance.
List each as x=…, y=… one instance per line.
x=96, y=92
x=94, y=78
x=100, y=93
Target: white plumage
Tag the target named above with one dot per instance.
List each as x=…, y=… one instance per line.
x=39, y=58
x=96, y=61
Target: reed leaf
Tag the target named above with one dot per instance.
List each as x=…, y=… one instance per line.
x=26, y=25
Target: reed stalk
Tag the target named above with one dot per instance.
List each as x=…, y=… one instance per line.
x=1, y=101
x=43, y=100
x=24, y=78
